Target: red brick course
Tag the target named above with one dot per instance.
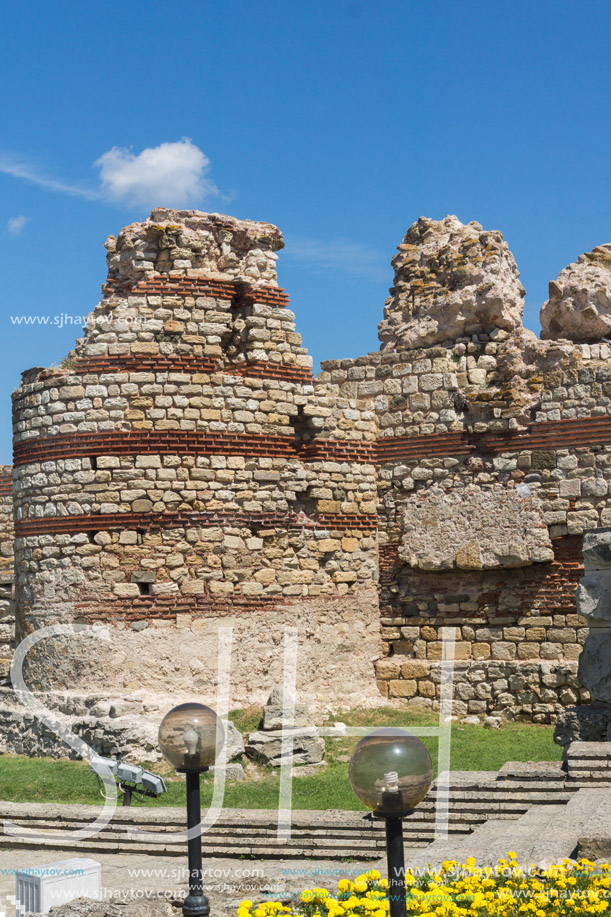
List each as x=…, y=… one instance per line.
x=540, y=589
x=107, y=522
x=180, y=363
x=166, y=285
x=167, y=607
x=152, y=442
x=560, y=434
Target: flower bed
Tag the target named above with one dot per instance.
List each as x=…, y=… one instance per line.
x=460, y=890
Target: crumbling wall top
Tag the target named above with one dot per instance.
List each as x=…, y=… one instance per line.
x=195, y=244
x=579, y=304
x=451, y=280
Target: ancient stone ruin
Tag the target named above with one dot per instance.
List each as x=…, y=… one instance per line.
x=183, y=470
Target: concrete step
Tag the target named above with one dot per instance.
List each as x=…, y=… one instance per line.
x=543, y=835
x=488, y=843
x=594, y=841
x=560, y=839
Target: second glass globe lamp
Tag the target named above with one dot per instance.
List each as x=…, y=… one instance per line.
x=390, y=772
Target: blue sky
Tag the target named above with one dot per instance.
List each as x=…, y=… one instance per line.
x=340, y=121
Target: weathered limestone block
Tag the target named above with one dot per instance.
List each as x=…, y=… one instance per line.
x=451, y=280
x=474, y=529
x=233, y=771
x=273, y=717
x=234, y=741
x=579, y=304
x=266, y=747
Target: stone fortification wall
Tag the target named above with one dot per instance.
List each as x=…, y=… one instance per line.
x=184, y=470
x=7, y=610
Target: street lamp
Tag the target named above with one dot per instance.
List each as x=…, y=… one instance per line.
x=391, y=772
x=189, y=736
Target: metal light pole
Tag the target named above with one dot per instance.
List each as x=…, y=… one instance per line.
x=189, y=737
x=391, y=772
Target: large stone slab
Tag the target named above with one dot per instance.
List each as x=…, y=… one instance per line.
x=594, y=842
x=474, y=529
x=266, y=747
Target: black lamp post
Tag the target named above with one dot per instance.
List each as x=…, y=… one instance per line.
x=391, y=772
x=188, y=737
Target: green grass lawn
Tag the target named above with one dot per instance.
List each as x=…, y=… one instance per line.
x=473, y=748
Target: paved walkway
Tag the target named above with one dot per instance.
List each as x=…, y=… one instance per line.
x=228, y=880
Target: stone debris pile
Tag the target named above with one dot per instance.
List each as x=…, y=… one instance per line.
x=265, y=746
x=579, y=304
x=450, y=280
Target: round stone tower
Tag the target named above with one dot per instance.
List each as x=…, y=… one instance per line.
x=180, y=470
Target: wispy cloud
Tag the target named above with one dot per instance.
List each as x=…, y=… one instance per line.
x=16, y=225
x=21, y=169
x=344, y=255
x=170, y=175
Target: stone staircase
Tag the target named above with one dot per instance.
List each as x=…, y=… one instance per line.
x=476, y=800
x=588, y=763
x=541, y=836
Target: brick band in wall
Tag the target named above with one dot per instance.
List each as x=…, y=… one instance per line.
x=181, y=442
x=180, y=363
x=107, y=522
x=166, y=285
x=560, y=434
x=152, y=442
x=541, y=588
x=551, y=435
x=165, y=607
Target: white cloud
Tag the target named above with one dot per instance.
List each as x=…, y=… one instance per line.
x=16, y=224
x=344, y=255
x=170, y=175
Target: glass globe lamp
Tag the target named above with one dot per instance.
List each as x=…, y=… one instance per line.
x=189, y=737
x=391, y=772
